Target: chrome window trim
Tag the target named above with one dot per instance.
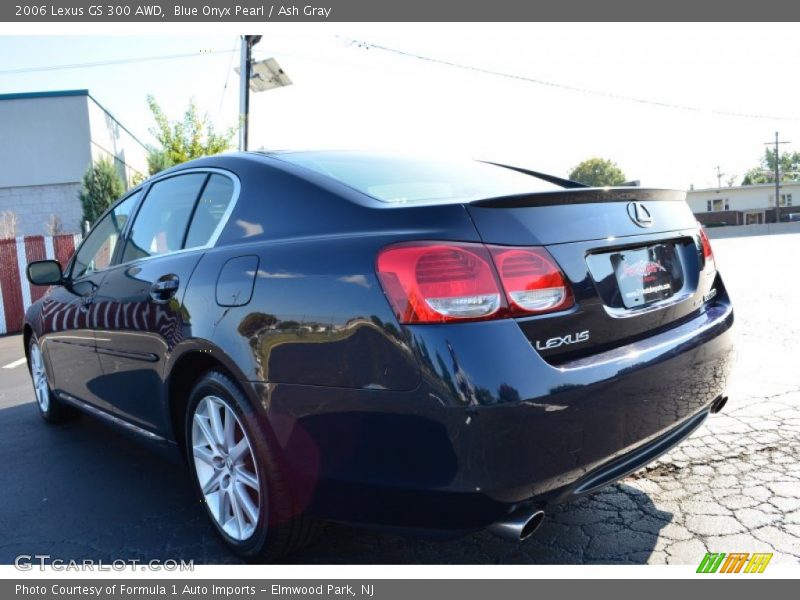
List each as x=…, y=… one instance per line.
x=237, y=188
x=148, y=185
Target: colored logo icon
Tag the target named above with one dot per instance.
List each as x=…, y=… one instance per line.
x=734, y=562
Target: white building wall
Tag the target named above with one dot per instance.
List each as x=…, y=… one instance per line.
x=751, y=197
x=111, y=140
x=45, y=140
x=48, y=144
x=35, y=204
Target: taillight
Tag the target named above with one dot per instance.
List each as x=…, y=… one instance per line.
x=440, y=282
x=708, y=254
x=532, y=280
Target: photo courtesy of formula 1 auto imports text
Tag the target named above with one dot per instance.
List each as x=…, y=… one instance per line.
x=378, y=300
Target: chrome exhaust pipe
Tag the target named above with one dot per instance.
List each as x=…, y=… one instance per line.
x=718, y=404
x=519, y=525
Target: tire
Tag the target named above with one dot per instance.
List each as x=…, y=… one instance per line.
x=50, y=408
x=238, y=480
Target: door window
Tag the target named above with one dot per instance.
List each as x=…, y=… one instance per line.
x=97, y=250
x=160, y=224
x=216, y=197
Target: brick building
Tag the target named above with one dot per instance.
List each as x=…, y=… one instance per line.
x=49, y=139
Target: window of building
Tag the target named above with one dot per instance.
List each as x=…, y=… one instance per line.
x=717, y=204
x=786, y=200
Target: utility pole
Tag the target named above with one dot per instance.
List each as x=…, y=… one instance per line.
x=719, y=177
x=246, y=61
x=777, y=177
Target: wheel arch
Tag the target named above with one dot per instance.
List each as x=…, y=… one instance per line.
x=185, y=368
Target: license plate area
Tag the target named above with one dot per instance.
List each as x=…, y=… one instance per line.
x=647, y=275
x=633, y=278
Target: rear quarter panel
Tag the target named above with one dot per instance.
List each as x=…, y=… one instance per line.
x=317, y=315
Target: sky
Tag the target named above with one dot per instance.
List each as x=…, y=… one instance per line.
x=346, y=96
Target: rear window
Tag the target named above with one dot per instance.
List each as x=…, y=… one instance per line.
x=392, y=178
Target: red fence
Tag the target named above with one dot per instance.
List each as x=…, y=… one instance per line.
x=16, y=294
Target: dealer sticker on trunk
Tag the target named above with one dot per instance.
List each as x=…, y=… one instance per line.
x=647, y=275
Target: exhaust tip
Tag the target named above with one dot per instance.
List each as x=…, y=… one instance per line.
x=718, y=404
x=532, y=525
x=519, y=525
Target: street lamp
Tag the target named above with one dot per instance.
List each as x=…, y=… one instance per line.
x=260, y=77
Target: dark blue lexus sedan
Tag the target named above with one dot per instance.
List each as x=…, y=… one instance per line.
x=399, y=342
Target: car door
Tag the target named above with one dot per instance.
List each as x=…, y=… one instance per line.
x=69, y=311
x=146, y=318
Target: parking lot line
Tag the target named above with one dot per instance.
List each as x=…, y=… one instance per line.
x=15, y=364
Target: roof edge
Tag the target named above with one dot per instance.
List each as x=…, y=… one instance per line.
x=724, y=188
x=50, y=94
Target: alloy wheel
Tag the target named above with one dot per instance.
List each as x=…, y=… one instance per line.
x=226, y=468
x=39, y=375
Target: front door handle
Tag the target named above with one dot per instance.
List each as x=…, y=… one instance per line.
x=87, y=301
x=165, y=288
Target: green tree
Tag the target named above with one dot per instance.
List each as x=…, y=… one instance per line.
x=185, y=139
x=255, y=323
x=598, y=172
x=102, y=185
x=765, y=172
x=137, y=178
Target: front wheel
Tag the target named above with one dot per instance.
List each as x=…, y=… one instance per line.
x=51, y=409
x=236, y=473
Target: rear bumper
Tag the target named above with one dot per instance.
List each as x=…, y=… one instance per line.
x=493, y=426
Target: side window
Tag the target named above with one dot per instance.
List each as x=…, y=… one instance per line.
x=212, y=205
x=97, y=250
x=160, y=224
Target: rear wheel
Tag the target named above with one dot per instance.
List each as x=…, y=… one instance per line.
x=236, y=473
x=51, y=409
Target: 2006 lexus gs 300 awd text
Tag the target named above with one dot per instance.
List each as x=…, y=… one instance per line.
x=426, y=345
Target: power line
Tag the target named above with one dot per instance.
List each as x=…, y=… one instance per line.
x=562, y=86
x=228, y=75
x=106, y=63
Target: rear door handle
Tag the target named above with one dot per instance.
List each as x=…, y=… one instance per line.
x=165, y=288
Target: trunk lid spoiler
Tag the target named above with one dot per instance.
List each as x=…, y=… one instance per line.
x=579, y=214
x=582, y=195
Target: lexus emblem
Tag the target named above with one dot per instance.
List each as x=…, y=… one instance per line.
x=639, y=214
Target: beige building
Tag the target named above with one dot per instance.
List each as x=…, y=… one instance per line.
x=745, y=205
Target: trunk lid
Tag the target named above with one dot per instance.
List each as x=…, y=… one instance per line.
x=633, y=257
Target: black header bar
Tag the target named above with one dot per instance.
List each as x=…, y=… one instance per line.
x=254, y=11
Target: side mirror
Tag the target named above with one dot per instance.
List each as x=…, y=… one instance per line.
x=45, y=272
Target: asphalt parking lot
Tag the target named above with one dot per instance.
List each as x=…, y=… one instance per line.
x=82, y=491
